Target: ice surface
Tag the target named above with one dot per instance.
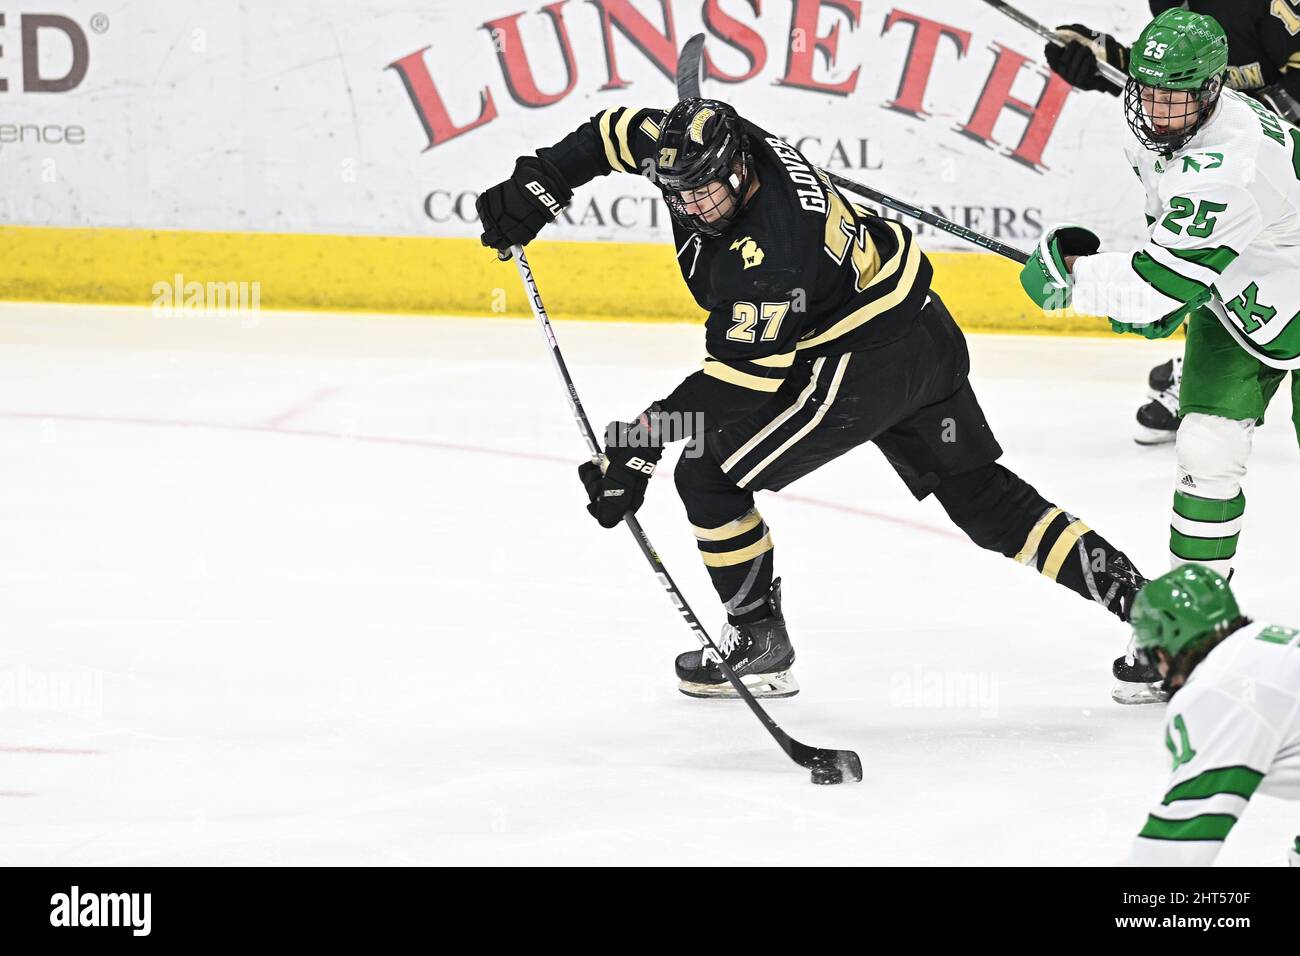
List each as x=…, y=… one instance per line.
x=319, y=589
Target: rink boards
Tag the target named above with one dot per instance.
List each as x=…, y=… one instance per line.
x=619, y=281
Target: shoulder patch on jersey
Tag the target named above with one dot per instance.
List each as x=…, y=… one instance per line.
x=1195, y=162
x=750, y=253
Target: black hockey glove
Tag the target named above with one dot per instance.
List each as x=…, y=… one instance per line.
x=632, y=454
x=1075, y=240
x=1076, y=62
x=515, y=211
x=1283, y=98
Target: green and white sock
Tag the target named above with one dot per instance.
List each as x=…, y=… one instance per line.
x=1205, y=530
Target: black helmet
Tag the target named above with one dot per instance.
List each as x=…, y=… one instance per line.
x=698, y=144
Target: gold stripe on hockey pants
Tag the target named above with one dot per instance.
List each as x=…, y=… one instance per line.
x=822, y=409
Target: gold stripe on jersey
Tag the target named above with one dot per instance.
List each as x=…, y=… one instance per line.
x=908, y=257
x=650, y=128
x=866, y=260
x=728, y=558
x=607, y=140
x=844, y=236
x=746, y=522
x=762, y=434
x=620, y=136
x=784, y=360
x=1030, y=550
x=727, y=373
x=1064, y=545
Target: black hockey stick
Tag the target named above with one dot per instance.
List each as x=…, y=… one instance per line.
x=688, y=67
x=827, y=766
x=929, y=218
x=1106, y=69
x=688, y=85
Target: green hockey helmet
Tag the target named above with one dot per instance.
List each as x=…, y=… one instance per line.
x=1181, y=610
x=1175, y=77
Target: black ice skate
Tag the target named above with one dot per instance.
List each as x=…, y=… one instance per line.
x=1157, y=420
x=760, y=654
x=1136, y=680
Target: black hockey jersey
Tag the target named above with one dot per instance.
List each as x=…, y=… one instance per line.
x=1263, y=39
x=801, y=273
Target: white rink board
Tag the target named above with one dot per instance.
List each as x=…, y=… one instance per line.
x=323, y=592
x=288, y=116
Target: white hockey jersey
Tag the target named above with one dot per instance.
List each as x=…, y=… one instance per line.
x=1233, y=731
x=1224, y=220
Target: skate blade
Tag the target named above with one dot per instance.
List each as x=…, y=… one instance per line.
x=1154, y=436
x=762, y=686
x=1131, y=692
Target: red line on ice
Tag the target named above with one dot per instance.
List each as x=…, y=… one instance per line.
x=315, y=398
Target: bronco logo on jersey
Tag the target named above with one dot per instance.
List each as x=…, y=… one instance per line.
x=749, y=251
x=696, y=129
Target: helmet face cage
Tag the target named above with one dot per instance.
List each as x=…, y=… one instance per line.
x=705, y=180
x=718, y=201
x=1196, y=109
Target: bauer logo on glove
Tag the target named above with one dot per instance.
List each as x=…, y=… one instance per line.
x=549, y=201
x=514, y=211
x=631, y=454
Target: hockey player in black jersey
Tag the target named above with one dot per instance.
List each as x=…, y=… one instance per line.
x=822, y=334
x=1263, y=62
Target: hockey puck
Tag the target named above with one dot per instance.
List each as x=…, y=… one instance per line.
x=827, y=775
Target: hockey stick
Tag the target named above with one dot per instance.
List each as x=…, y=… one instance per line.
x=827, y=766
x=1109, y=71
x=688, y=85
x=688, y=67
x=929, y=218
